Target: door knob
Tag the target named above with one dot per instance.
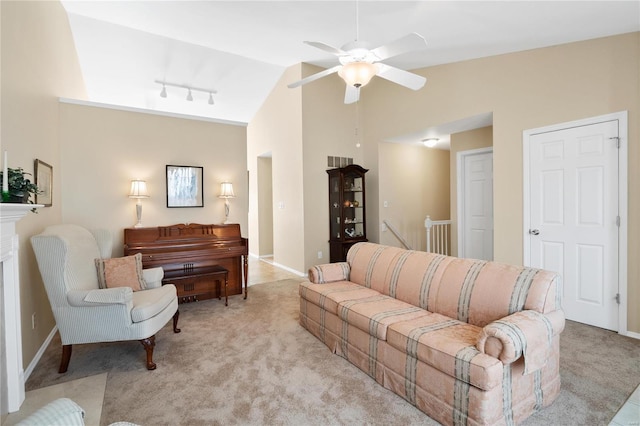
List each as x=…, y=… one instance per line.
x=534, y=231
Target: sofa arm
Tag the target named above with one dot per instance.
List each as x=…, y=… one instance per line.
x=105, y=296
x=153, y=277
x=329, y=272
x=525, y=333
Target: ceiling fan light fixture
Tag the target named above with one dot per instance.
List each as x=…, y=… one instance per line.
x=210, y=98
x=189, y=96
x=357, y=73
x=163, y=93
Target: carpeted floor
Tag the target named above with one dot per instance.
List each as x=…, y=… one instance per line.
x=252, y=363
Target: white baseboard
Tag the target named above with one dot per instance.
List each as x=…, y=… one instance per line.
x=632, y=334
x=286, y=268
x=36, y=359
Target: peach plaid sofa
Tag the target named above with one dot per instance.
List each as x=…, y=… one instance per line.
x=466, y=341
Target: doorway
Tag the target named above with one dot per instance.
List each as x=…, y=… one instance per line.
x=265, y=207
x=475, y=203
x=575, y=214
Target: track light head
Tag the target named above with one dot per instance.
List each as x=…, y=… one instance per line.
x=190, y=89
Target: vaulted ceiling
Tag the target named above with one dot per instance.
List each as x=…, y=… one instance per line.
x=241, y=48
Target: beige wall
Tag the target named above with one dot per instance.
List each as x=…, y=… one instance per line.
x=463, y=141
x=39, y=64
x=329, y=128
x=414, y=182
x=277, y=128
x=524, y=90
x=103, y=149
x=301, y=127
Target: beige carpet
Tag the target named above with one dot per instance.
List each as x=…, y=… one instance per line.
x=252, y=363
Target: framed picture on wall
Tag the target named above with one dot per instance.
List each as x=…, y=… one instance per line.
x=184, y=186
x=44, y=180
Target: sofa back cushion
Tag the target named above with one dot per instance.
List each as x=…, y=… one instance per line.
x=473, y=291
x=479, y=292
x=370, y=264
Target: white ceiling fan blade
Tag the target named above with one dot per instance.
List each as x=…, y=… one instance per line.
x=351, y=94
x=401, y=77
x=326, y=48
x=314, y=77
x=408, y=43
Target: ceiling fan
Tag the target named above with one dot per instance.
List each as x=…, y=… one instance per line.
x=359, y=63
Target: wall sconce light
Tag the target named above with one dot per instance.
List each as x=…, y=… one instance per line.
x=138, y=191
x=226, y=192
x=163, y=92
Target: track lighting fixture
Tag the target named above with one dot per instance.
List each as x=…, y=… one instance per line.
x=163, y=93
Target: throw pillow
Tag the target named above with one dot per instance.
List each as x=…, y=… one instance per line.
x=121, y=272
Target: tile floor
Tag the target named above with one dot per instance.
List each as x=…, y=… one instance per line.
x=89, y=391
x=629, y=413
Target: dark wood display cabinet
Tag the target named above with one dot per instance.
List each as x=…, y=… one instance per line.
x=347, y=210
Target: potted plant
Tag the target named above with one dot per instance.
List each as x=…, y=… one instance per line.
x=20, y=188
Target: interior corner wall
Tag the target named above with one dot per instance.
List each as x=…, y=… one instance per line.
x=103, y=149
x=525, y=90
x=39, y=64
x=277, y=128
x=463, y=141
x=328, y=129
x=414, y=183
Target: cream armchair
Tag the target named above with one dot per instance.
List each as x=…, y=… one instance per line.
x=86, y=313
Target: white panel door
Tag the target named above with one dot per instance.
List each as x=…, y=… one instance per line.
x=573, y=213
x=478, y=206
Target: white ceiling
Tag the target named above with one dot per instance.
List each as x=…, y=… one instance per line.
x=241, y=48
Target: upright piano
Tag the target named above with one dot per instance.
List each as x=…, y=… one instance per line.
x=202, y=260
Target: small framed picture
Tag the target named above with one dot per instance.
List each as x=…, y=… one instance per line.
x=44, y=180
x=184, y=186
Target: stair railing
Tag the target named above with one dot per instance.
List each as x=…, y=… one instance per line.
x=438, y=232
x=395, y=232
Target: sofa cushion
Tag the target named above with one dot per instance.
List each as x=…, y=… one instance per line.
x=479, y=292
x=371, y=264
x=375, y=313
x=149, y=303
x=448, y=345
x=328, y=295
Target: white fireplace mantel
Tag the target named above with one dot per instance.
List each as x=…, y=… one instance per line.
x=10, y=314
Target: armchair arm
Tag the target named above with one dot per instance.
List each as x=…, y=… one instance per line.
x=105, y=296
x=153, y=277
x=329, y=272
x=525, y=333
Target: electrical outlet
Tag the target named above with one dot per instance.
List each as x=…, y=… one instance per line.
x=320, y=254
x=33, y=321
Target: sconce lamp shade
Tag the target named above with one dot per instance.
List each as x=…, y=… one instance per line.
x=138, y=189
x=357, y=74
x=226, y=190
